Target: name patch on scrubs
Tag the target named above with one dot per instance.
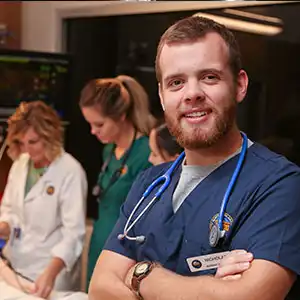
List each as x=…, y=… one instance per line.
x=205, y=262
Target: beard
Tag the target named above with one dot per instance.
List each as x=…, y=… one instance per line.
x=196, y=137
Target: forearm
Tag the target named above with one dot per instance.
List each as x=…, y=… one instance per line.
x=264, y=280
x=70, y=247
x=165, y=285
x=55, y=266
x=109, y=287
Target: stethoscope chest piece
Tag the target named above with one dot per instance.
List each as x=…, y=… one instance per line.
x=96, y=191
x=215, y=235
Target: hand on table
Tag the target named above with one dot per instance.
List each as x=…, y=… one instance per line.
x=44, y=284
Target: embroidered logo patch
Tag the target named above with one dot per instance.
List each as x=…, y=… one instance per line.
x=228, y=220
x=50, y=190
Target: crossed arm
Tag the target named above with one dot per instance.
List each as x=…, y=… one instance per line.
x=263, y=280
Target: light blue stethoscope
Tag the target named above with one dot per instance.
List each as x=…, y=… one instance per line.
x=217, y=232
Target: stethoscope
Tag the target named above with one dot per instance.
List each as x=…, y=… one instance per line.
x=97, y=190
x=217, y=232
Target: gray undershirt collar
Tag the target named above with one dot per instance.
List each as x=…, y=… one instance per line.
x=191, y=176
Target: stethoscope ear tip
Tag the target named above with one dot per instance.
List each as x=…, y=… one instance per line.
x=121, y=237
x=140, y=239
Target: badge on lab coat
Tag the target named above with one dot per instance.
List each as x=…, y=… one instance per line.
x=17, y=233
x=50, y=190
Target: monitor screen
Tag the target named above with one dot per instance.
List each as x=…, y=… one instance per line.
x=29, y=76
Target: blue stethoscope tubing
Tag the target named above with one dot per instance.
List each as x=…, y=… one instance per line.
x=165, y=180
x=216, y=232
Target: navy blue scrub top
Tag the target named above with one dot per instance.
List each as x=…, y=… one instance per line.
x=262, y=215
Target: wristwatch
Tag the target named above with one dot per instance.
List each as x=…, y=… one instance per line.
x=141, y=270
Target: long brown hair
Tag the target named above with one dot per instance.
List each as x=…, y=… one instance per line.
x=119, y=96
x=45, y=122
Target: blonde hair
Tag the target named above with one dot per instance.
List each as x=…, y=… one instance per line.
x=44, y=120
x=119, y=96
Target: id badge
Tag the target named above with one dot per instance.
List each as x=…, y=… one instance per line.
x=16, y=235
x=205, y=262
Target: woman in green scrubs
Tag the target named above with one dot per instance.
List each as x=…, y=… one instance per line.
x=117, y=110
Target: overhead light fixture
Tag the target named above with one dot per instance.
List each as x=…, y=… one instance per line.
x=251, y=15
x=242, y=25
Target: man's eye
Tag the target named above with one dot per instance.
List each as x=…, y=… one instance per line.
x=176, y=83
x=210, y=77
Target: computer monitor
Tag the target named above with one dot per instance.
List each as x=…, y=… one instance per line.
x=29, y=76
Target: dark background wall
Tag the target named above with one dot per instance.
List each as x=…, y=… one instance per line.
x=108, y=46
x=10, y=15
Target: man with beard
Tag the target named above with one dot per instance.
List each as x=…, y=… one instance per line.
x=185, y=234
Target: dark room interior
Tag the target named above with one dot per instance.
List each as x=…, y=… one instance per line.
x=112, y=45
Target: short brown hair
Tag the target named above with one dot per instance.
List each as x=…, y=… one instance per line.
x=119, y=96
x=45, y=122
x=193, y=28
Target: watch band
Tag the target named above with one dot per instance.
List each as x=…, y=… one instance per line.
x=141, y=271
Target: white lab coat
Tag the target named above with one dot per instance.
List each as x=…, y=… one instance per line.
x=51, y=218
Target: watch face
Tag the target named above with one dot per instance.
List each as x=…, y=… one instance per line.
x=141, y=269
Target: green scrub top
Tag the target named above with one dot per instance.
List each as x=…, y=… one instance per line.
x=33, y=175
x=115, y=195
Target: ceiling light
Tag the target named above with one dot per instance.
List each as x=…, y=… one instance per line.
x=251, y=15
x=241, y=25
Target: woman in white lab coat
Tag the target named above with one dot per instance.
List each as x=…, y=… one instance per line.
x=43, y=207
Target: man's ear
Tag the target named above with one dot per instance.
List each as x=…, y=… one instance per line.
x=242, y=86
x=161, y=97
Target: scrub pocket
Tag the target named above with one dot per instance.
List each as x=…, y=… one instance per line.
x=162, y=245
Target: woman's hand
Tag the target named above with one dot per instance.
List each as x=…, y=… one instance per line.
x=44, y=284
x=234, y=264
x=4, y=230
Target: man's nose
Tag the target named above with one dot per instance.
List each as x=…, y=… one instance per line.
x=194, y=91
